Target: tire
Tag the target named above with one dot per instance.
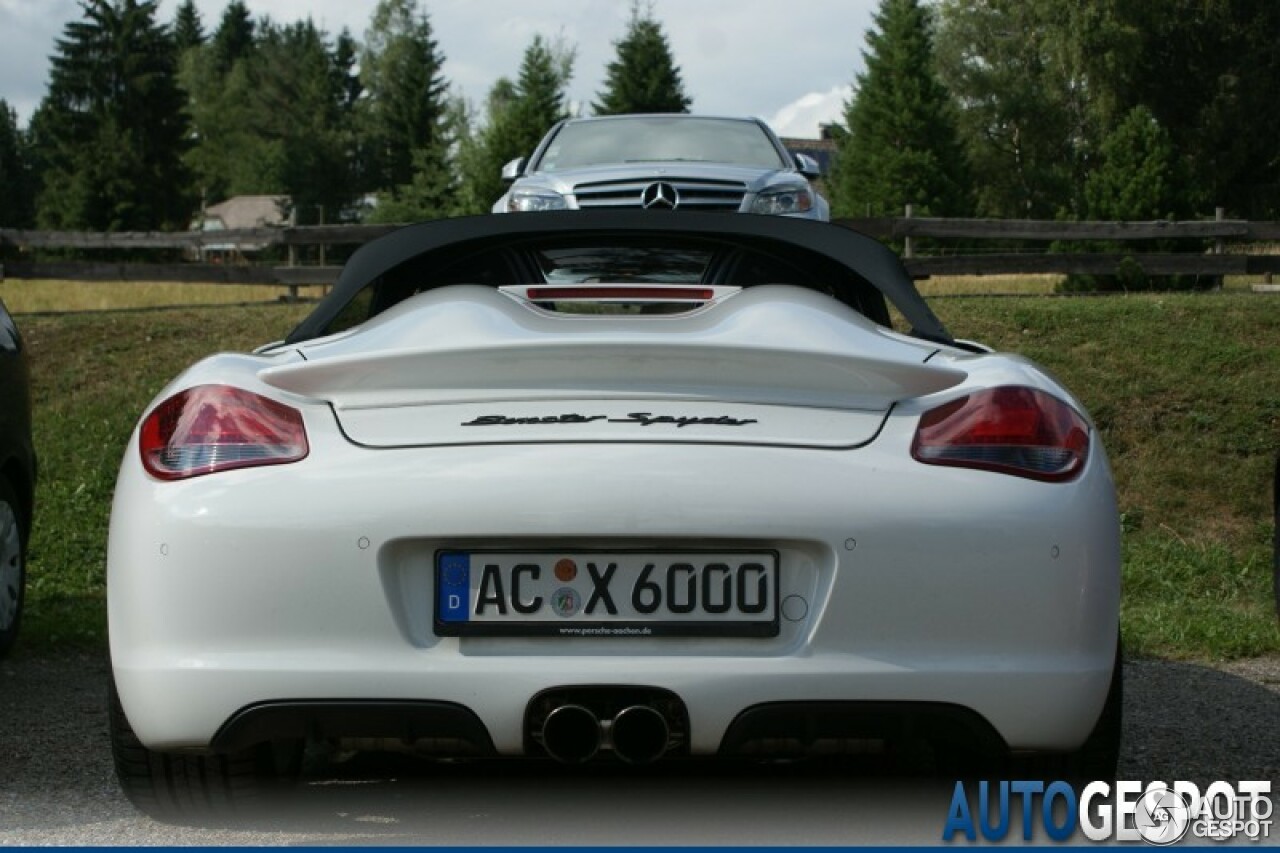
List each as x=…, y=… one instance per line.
x=13, y=564
x=185, y=788
x=1275, y=545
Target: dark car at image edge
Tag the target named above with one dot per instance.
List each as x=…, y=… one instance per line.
x=17, y=477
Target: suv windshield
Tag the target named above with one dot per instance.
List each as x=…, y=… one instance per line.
x=618, y=264
x=659, y=139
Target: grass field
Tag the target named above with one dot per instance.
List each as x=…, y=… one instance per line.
x=992, y=285
x=1185, y=390
x=38, y=296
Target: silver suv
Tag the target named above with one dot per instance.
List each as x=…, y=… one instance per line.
x=669, y=161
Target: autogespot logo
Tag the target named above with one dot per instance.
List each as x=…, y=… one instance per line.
x=1156, y=813
x=1162, y=816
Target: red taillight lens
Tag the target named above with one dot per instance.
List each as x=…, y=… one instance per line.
x=615, y=292
x=215, y=428
x=1019, y=431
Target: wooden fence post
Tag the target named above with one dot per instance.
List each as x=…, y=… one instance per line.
x=1219, y=245
x=323, y=246
x=908, y=250
x=293, y=255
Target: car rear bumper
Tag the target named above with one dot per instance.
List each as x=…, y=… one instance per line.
x=314, y=582
x=182, y=708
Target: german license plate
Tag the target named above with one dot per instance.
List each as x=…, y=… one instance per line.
x=607, y=594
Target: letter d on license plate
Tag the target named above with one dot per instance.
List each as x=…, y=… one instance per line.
x=607, y=593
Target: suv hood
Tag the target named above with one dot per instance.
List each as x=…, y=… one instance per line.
x=754, y=178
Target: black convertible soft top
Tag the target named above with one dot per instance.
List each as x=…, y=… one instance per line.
x=798, y=242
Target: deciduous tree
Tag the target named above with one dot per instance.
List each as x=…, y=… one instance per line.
x=1027, y=114
x=479, y=158
x=226, y=144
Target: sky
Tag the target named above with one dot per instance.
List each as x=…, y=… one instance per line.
x=790, y=65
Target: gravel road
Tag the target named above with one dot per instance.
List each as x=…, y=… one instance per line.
x=1182, y=721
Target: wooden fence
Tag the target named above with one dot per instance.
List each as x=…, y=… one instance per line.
x=1232, y=247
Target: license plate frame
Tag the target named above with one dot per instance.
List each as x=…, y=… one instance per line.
x=744, y=584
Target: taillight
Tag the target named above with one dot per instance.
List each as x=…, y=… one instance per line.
x=215, y=428
x=616, y=293
x=1012, y=430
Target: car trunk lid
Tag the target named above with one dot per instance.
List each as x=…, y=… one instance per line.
x=768, y=365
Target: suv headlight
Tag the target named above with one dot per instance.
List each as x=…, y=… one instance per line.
x=785, y=200
x=525, y=201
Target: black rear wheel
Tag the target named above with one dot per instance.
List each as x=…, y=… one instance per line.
x=178, y=787
x=13, y=564
x=1275, y=566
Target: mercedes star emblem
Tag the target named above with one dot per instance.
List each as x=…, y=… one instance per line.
x=659, y=196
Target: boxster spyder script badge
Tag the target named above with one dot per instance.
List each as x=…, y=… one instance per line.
x=643, y=419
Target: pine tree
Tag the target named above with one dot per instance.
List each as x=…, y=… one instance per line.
x=902, y=146
x=348, y=88
x=1139, y=177
x=278, y=121
x=479, y=152
x=403, y=119
x=234, y=38
x=111, y=127
x=540, y=99
x=15, y=172
x=188, y=32
x=427, y=195
x=644, y=78
x=519, y=114
x=346, y=51
x=295, y=103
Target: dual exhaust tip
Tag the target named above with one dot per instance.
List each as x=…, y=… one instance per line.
x=572, y=734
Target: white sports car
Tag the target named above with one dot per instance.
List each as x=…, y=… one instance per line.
x=610, y=485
